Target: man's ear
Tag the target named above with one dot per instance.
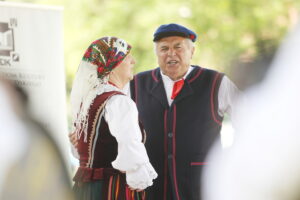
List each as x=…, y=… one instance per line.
x=193, y=50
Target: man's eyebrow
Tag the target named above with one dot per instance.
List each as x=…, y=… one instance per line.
x=163, y=46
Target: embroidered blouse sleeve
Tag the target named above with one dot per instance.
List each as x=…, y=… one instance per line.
x=122, y=118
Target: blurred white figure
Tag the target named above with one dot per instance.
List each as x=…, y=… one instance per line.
x=10, y=129
x=31, y=165
x=264, y=162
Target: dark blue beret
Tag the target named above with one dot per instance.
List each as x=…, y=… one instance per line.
x=167, y=30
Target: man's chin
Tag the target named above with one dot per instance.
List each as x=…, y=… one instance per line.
x=175, y=75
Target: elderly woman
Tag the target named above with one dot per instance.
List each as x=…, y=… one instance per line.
x=113, y=160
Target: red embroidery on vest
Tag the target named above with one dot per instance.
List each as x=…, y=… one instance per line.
x=212, y=100
x=166, y=156
x=174, y=153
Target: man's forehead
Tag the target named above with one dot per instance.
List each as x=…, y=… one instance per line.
x=170, y=41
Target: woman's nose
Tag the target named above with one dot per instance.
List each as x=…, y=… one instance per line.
x=133, y=61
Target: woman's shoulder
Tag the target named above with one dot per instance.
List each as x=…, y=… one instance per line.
x=120, y=98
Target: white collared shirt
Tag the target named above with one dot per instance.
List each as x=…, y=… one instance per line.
x=227, y=94
x=169, y=83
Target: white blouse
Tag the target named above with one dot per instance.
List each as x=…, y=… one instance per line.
x=121, y=116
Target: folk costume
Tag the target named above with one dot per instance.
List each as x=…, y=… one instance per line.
x=106, y=123
x=182, y=118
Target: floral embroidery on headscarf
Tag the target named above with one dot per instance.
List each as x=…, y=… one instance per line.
x=106, y=53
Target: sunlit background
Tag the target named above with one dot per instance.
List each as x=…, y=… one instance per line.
x=232, y=33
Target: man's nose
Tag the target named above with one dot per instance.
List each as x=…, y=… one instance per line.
x=171, y=52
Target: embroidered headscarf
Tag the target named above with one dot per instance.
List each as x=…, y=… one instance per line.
x=101, y=57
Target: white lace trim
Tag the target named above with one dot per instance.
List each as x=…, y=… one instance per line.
x=86, y=87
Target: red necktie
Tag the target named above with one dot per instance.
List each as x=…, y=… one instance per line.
x=177, y=87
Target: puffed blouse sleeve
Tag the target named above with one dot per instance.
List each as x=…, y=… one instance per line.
x=121, y=116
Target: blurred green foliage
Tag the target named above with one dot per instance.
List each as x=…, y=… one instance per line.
x=229, y=30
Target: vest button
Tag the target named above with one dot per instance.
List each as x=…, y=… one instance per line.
x=170, y=156
x=170, y=135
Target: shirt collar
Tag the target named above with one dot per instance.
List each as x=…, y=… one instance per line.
x=166, y=78
x=108, y=88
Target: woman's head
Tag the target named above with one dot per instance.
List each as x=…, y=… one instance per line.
x=103, y=56
x=106, y=53
x=123, y=73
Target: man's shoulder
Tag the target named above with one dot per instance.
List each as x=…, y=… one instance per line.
x=207, y=70
x=148, y=76
x=148, y=72
x=199, y=71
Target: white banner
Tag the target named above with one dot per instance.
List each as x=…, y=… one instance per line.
x=31, y=54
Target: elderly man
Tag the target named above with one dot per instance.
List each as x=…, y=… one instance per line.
x=182, y=108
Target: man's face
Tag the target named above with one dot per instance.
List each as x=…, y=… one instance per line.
x=174, y=55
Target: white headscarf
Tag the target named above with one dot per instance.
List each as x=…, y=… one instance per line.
x=102, y=56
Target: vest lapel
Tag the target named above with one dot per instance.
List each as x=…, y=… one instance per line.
x=187, y=90
x=158, y=89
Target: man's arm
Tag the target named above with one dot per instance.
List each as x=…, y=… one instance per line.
x=227, y=98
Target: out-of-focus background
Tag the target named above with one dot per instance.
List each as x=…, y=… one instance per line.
x=233, y=34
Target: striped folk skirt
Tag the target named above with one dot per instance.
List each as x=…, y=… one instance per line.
x=108, y=186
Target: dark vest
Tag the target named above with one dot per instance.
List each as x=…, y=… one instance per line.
x=178, y=136
x=96, y=155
